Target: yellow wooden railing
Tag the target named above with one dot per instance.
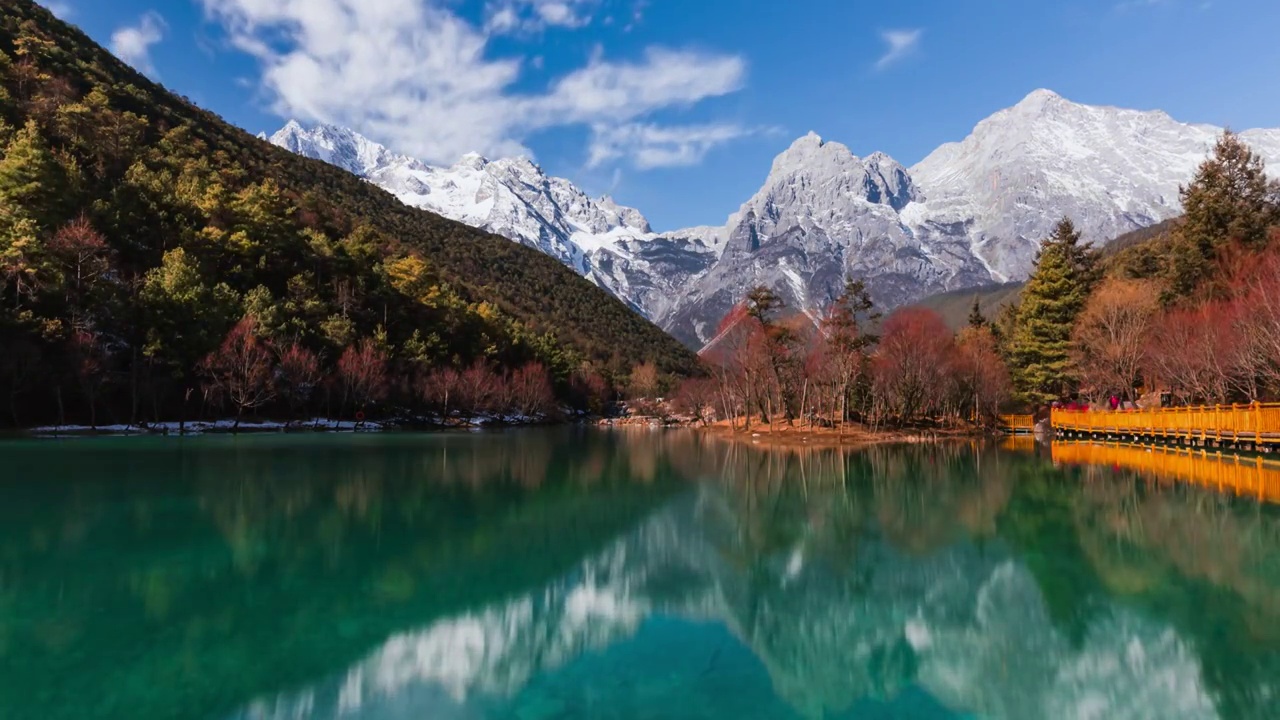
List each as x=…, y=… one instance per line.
x=1254, y=477
x=1256, y=423
x=1017, y=423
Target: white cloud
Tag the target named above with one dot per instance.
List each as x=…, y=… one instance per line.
x=901, y=43
x=132, y=44
x=510, y=16
x=653, y=146
x=621, y=91
x=415, y=76
x=60, y=8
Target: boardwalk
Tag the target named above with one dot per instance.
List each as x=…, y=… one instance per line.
x=1017, y=424
x=1252, y=477
x=1241, y=426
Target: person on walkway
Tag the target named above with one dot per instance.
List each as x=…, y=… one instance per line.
x=1115, y=403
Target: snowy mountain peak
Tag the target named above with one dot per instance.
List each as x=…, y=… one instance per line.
x=473, y=160
x=816, y=170
x=888, y=182
x=1040, y=98
x=337, y=146
x=812, y=154
x=1110, y=169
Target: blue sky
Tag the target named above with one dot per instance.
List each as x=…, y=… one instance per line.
x=677, y=107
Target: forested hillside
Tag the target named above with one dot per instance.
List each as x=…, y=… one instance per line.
x=154, y=260
x=956, y=306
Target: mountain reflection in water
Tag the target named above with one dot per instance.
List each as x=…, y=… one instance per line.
x=576, y=574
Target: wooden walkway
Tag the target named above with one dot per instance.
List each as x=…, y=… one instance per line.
x=1249, y=427
x=1252, y=477
x=1017, y=424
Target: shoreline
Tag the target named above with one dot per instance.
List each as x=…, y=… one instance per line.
x=196, y=428
x=849, y=437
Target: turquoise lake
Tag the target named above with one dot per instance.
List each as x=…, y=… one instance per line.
x=576, y=573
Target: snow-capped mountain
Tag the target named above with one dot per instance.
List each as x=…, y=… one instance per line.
x=823, y=215
x=611, y=245
x=970, y=213
x=1110, y=170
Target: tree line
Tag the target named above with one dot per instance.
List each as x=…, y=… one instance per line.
x=768, y=367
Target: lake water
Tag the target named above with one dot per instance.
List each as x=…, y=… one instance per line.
x=571, y=573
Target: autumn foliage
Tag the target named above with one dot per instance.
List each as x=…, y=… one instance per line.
x=242, y=368
x=772, y=369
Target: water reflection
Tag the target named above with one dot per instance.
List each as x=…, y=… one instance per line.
x=640, y=574
x=152, y=578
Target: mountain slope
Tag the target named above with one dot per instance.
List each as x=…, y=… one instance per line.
x=609, y=244
x=970, y=213
x=955, y=305
x=318, y=255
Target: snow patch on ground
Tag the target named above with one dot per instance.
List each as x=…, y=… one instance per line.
x=201, y=426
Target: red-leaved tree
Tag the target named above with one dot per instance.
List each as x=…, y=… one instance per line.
x=531, y=392
x=440, y=390
x=696, y=397
x=478, y=388
x=913, y=363
x=242, y=368
x=362, y=370
x=980, y=374
x=83, y=256
x=590, y=390
x=1191, y=352
x=299, y=374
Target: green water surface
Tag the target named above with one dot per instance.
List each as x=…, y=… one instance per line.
x=571, y=573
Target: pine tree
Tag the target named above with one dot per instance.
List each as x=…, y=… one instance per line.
x=1229, y=201
x=762, y=302
x=1064, y=275
x=32, y=183
x=976, y=318
x=185, y=317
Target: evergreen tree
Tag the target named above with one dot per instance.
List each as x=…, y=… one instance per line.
x=185, y=317
x=1229, y=201
x=976, y=319
x=1064, y=275
x=762, y=302
x=31, y=180
x=1003, y=328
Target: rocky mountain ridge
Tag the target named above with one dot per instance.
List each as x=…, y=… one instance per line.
x=970, y=213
